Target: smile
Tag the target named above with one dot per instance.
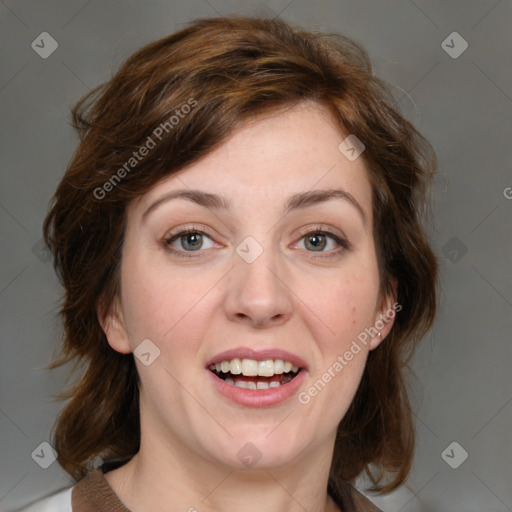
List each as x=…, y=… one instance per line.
x=255, y=375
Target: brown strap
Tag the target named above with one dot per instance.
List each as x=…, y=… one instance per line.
x=94, y=494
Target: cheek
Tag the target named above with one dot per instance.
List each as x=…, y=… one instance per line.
x=348, y=307
x=160, y=302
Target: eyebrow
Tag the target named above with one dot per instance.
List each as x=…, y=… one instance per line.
x=297, y=201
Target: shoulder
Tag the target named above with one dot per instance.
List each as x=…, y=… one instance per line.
x=58, y=502
x=362, y=503
x=348, y=498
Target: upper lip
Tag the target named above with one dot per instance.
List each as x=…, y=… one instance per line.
x=258, y=355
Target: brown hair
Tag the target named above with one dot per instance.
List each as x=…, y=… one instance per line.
x=228, y=70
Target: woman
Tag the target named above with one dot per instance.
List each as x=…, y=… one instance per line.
x=239, y=235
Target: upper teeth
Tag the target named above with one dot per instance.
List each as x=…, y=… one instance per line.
x=253, y=368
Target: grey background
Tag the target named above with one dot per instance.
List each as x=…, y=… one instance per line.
x=462, y=390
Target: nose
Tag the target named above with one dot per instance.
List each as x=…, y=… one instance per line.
x=258, y=293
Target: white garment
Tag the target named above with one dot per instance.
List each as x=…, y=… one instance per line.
x=59, y=502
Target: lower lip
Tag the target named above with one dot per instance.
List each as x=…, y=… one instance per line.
x=258, y=397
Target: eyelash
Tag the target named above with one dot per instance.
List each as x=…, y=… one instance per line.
x=317, y=230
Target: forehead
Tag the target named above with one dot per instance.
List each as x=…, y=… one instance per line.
x=270, y=158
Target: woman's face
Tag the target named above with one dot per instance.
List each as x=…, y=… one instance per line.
x=270, y=271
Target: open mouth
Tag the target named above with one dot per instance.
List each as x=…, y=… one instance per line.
x=252, y=374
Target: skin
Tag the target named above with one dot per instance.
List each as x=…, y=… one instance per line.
x=289, y=297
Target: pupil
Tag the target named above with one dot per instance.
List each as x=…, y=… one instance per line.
x=319, y=243
x=195, y=239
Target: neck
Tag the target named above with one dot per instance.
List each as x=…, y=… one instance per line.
x=164, y=478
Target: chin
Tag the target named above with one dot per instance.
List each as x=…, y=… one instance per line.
x=260, y=448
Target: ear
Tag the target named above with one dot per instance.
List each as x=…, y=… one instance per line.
x=113, y=324
x=385, y=316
